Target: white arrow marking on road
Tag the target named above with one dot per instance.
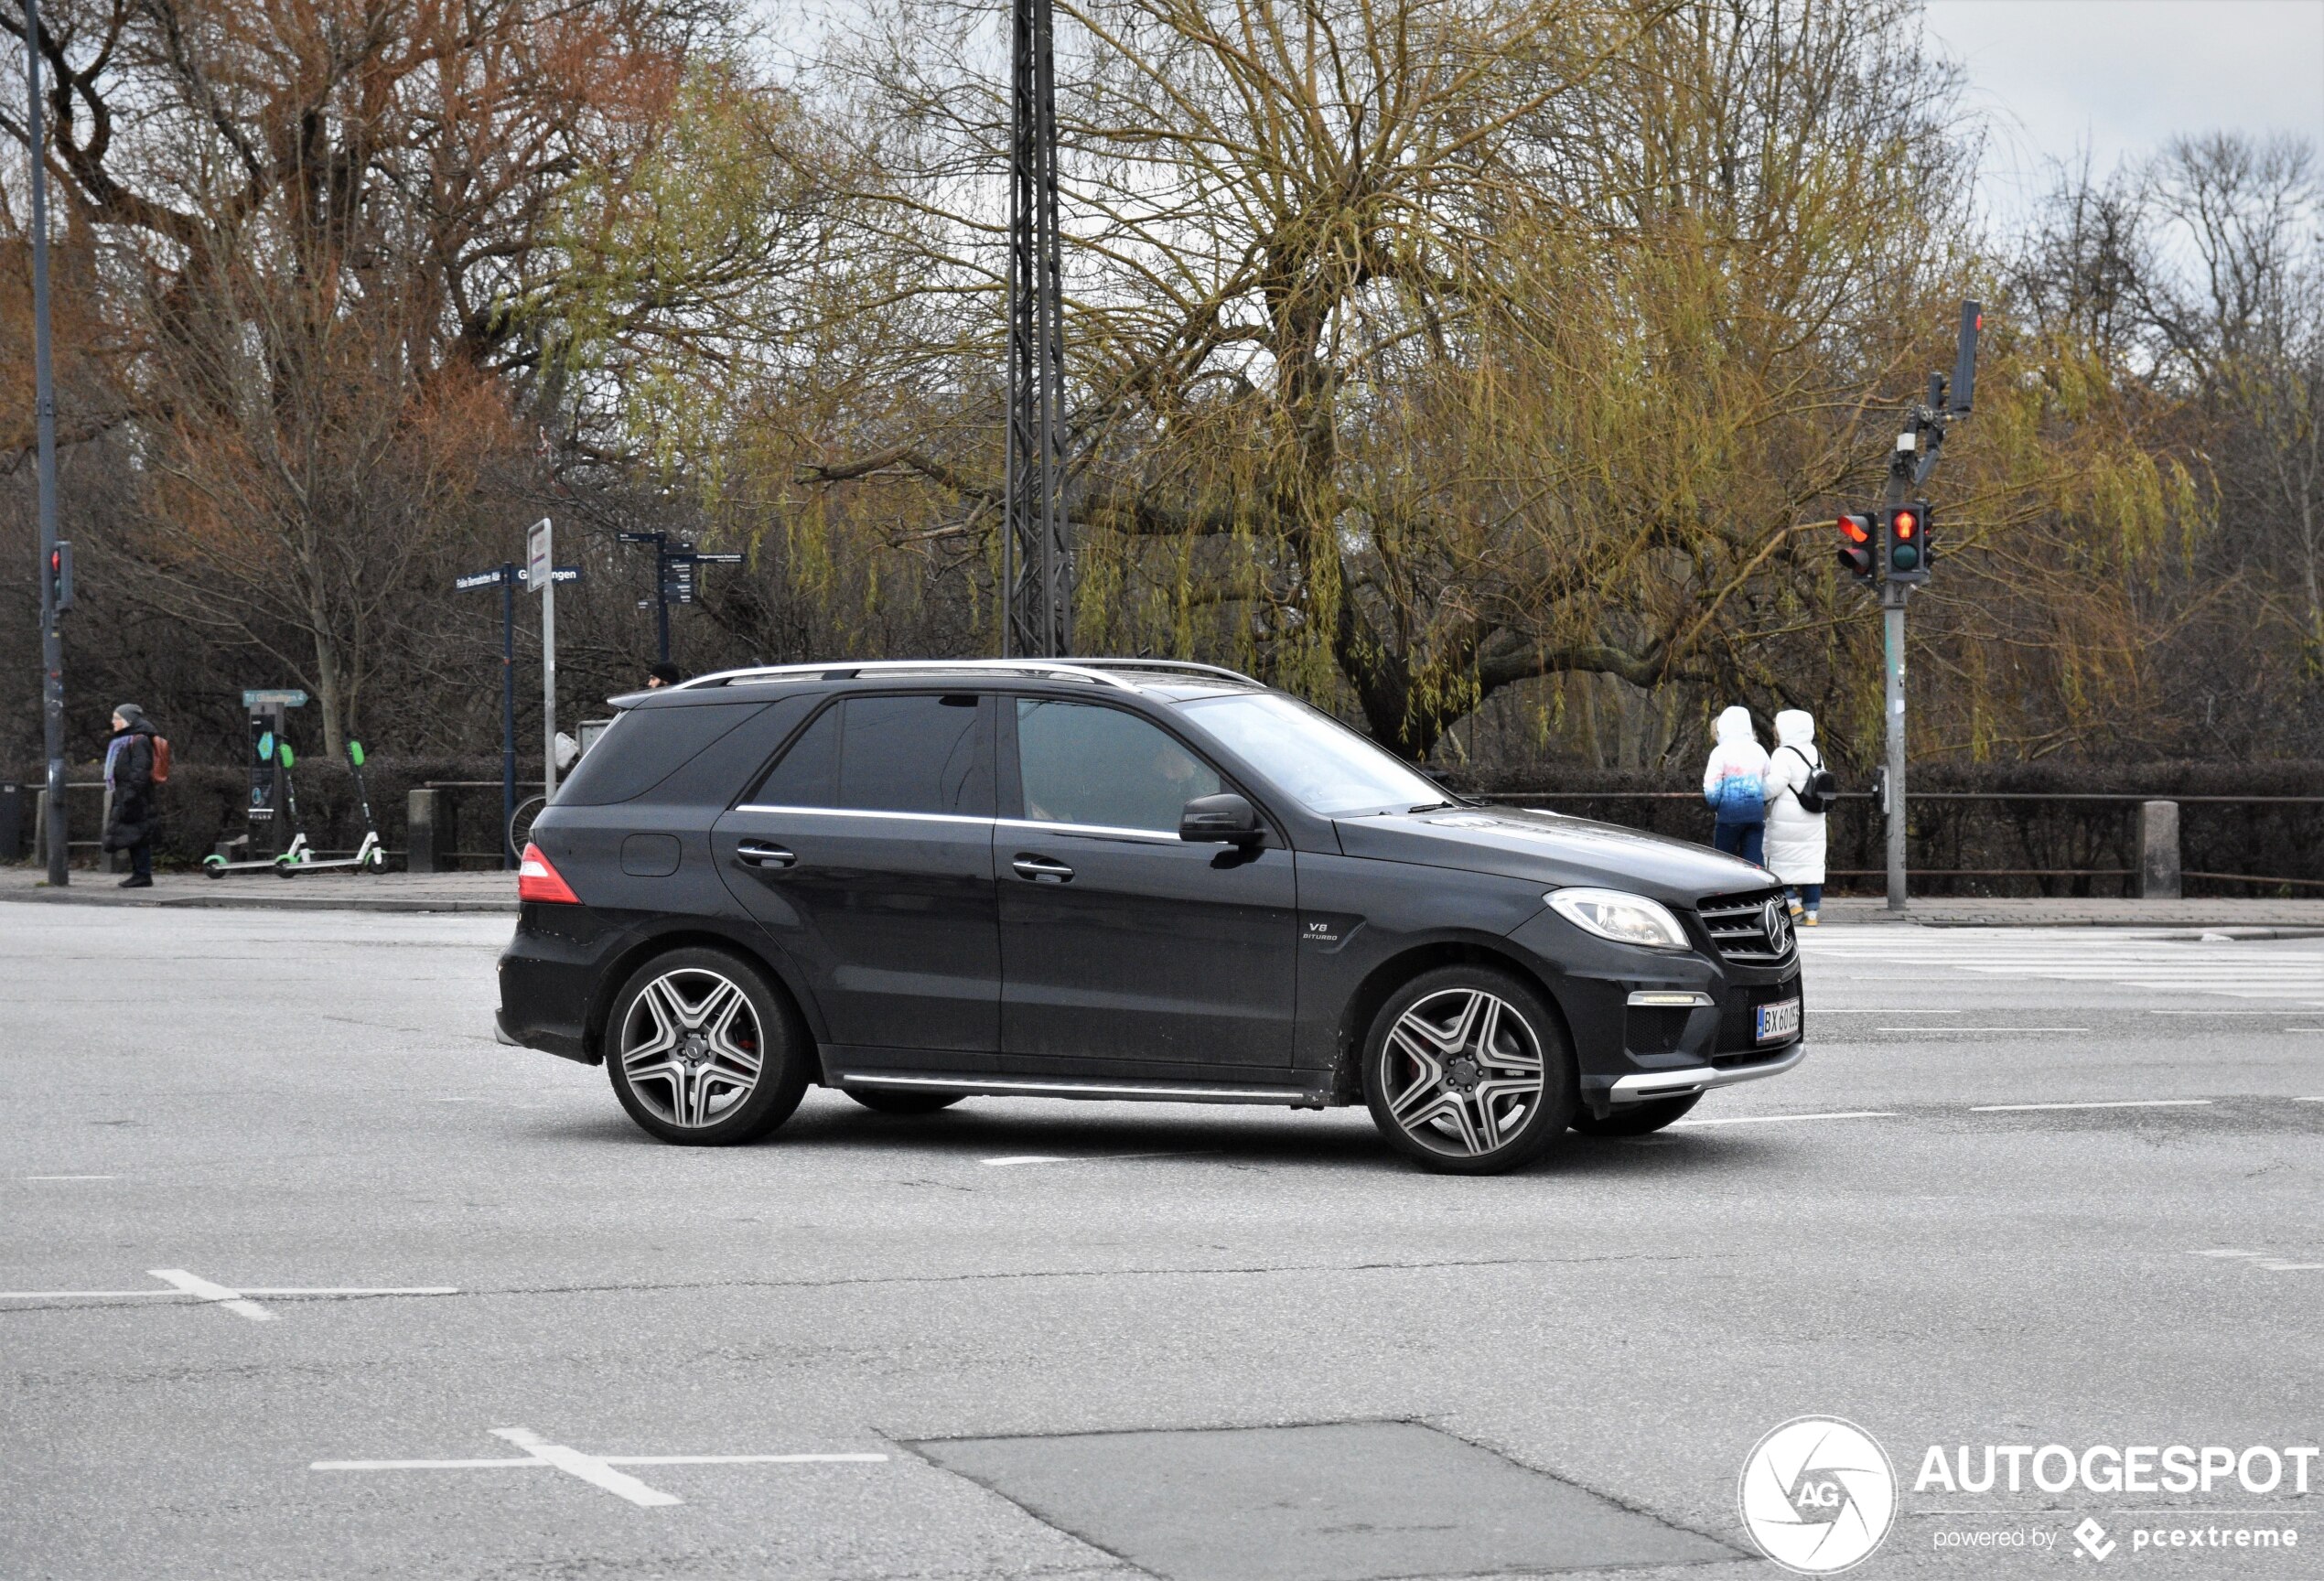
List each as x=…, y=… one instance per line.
x=233, y=1300
x=588, y=1468
x=597, y=1471
x=183, y=1285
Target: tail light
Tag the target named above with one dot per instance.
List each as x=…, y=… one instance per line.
x=537, y=880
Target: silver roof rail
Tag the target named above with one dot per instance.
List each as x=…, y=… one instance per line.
x=842, y=668
x=1169, y=666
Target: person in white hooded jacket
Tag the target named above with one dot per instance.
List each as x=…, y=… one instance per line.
x=1734, y=784
x=1795, y=835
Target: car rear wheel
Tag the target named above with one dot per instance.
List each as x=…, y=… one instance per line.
x=703, y=1051
x=1467, y=1071
x=1636, y=1119
x=889, y=1101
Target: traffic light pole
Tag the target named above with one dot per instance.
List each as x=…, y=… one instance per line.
x=52, y=646
x=1892, y=598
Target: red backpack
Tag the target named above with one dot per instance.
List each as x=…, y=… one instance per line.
x=161, y=760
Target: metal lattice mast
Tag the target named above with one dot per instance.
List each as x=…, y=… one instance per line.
x=1037, y=568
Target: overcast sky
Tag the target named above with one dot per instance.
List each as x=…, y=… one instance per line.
x=2119, y=77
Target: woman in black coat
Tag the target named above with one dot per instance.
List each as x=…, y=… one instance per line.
x=129, y=776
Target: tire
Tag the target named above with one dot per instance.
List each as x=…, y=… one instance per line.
x=887, y=1100
x=1636, y=1119
x=213, y=866
x=1442, y=1105
x=704, y=1051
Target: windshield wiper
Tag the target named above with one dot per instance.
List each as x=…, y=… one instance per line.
x=1431, y=807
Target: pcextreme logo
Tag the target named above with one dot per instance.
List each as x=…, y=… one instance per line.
x=1818, y=1495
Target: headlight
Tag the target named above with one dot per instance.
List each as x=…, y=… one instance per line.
x=1624, y=918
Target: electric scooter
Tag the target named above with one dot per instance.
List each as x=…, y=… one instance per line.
x=270, y=750
x=297, y=853
x=371, y=856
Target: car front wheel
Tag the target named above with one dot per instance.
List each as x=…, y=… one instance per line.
x=703, y=1053
x=1467, y=1071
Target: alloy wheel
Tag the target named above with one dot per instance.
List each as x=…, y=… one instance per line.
x=1462, y=1072
x=691, y=1047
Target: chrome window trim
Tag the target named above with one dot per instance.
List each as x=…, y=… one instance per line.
x=863, y=812
x=1092, y=831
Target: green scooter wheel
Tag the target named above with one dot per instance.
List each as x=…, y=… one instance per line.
x=213, y=866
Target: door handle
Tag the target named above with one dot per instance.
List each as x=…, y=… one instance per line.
x=760, y=853
x=1042, y=869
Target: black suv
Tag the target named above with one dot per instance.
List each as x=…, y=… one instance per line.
x=1116, y=878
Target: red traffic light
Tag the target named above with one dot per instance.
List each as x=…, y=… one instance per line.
x=1904, y=523
x=1856, y=539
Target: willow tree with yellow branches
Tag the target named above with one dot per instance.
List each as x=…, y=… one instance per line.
x=1426, y=348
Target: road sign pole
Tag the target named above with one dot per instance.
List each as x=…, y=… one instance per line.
x=542, y=571
x=52, y=647
x=1892, y=619
x=507, y=709
x=662, y=597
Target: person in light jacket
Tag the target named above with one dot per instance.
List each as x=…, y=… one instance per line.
x=1795, y=835
x=1734, y=784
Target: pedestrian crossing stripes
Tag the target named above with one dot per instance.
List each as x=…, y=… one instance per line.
x=2284, y=971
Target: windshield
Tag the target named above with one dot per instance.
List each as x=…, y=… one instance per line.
x=1331, y=770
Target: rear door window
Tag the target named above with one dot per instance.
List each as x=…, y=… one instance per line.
x=889, y=754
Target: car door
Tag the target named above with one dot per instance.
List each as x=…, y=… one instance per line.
x=867, y=851
x=1120, y=942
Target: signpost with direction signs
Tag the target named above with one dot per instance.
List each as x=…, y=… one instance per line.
x=508, y=577
x=675, y=580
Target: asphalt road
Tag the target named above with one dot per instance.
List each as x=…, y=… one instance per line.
x=257, y=1103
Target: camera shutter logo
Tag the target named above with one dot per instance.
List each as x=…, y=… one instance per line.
x=1818, y=1495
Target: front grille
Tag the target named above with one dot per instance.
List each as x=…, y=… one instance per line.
x=1737, y=925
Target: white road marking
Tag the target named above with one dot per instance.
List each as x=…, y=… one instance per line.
x=2110, y=1103
x=2316, y=1100
x=597, y=1471
x=184, y=1287
x=233, y=1300
x=1972, y=1030
x=588, y=1468
x=72, y=1177
x=2266, y=1260
x=1024, y=1158
x=1771, y=1119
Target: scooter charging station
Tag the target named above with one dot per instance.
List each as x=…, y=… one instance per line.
x=268, y=839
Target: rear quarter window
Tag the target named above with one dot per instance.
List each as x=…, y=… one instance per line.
x=645, y=745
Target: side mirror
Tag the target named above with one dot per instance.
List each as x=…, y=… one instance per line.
x=1226, y=817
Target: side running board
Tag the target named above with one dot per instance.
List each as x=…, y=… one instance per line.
x=966, y=1083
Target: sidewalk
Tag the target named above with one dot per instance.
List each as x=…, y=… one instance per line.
x=2239, y=914
x=266, y=892
x=497, y=892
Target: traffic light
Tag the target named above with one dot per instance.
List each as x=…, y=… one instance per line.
x=60, y=576
x=1855, y=547
x=1907, y=543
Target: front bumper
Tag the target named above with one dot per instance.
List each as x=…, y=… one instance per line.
x=1693, y=1079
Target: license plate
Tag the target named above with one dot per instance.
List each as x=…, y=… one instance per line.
x=1778, y=1021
